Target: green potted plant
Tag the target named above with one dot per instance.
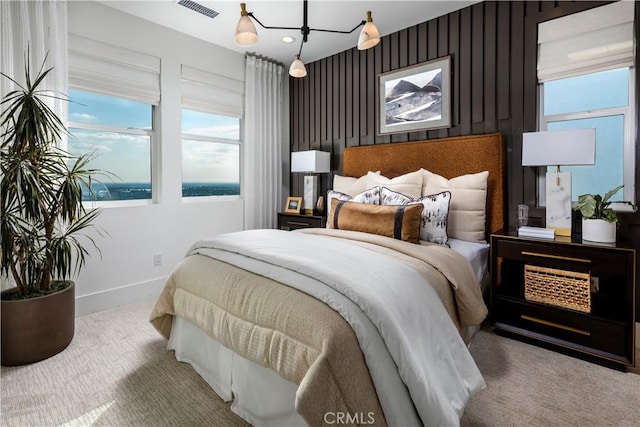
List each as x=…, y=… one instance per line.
x=42, y=218
x=599, y=220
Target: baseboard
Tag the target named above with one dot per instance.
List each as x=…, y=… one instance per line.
x=87, y=304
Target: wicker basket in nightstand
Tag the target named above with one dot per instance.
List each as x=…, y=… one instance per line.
x=561, y=288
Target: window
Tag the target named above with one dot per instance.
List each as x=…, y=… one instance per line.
x=601, y=101
x=586, y=75
x=119, y=132
x=113, y=93
x=210, y=154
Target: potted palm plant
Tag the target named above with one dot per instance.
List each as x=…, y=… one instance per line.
x=599, y=220
x=42, y=218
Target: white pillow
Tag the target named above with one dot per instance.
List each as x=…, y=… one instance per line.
x=435, y=210
x=467, y=210
x=409, y=184
x=370, y=196
x=349, y=185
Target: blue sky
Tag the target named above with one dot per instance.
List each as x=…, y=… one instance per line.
x=608, y=89
x=127, y=155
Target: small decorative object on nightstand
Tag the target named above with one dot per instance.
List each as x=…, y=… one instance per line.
x=599, y=220
x=320, y=205
x=290, y=221
x=573, y=297
x=293, y=205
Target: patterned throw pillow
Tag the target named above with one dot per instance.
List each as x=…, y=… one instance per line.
x=370, y=196
x=399, y=222
x=435, y=210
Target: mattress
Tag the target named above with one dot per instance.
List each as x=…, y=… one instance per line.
x=476, y=253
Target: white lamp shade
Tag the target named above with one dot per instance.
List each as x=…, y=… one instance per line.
x=369, y=35
x=311, y=161
x=246, y=34
x=559, y=147
x=297, y=68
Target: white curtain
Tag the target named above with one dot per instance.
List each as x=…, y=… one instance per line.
x=263, y=141
x=41, y=28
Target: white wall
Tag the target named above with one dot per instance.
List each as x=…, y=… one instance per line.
x=126, y=271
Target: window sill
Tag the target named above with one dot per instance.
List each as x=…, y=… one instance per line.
x=117, y=204
x=209, y=199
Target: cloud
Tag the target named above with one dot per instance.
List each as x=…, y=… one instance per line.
x=229, y=131
x=92, y=140
x=210, y=162
x=83, y=117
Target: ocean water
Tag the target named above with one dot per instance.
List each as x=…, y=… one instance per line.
x=142, y=190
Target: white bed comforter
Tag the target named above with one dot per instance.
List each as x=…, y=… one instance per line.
x=413, y=350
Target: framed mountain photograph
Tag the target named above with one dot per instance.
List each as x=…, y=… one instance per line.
x=415, y=98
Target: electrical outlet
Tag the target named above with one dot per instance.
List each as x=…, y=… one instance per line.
x=157, y=259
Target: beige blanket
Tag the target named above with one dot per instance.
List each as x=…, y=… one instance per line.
x=456, y=286
x=281, y=328
x=299, y=337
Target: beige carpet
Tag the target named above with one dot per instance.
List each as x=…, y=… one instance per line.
x=531, y=386
x=117, y=372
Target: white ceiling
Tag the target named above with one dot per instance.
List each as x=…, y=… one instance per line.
x=389, y=17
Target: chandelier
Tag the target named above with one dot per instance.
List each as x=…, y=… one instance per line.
x=246, y=34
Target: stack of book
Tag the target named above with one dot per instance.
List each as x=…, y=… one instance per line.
x=537, y=232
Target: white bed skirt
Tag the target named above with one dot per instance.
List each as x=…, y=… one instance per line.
x=257, y=394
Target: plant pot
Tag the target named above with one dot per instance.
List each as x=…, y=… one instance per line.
x=598, y=230
x=37, y=328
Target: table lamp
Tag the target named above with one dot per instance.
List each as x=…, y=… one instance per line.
x=310, y=162
x=559, y=148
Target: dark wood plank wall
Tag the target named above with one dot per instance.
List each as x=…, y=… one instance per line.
x=494, y=89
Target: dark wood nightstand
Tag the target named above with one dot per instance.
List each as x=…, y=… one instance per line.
x=578, y=298
x=290, y=221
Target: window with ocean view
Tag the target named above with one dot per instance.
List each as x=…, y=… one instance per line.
x=210, y=154
x=119, y=132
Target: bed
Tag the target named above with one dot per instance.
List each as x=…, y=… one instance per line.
x=349, y=324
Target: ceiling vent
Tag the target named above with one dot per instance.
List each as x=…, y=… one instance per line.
x=189, y=4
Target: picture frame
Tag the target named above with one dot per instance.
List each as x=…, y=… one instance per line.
x=293, y=205
x=415, y=98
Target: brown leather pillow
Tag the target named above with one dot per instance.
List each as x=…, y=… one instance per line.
x=399, y=222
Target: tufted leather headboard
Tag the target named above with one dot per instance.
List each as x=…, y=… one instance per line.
x=449, y=157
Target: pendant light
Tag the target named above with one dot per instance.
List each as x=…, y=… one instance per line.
x=297, y=68
x=246, y=34
x=369, y=36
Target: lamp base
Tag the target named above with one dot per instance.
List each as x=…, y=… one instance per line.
x=310, y=193
x=558, y=209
